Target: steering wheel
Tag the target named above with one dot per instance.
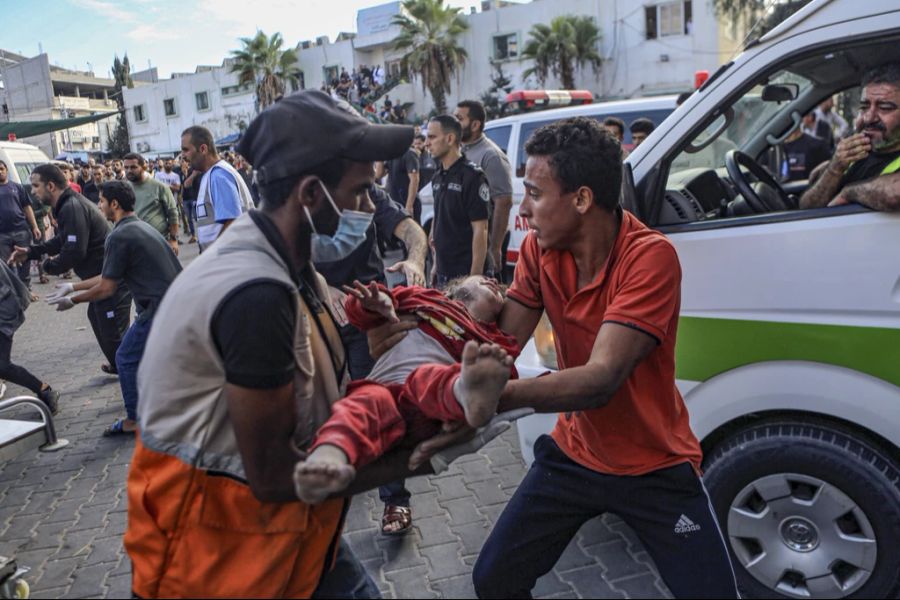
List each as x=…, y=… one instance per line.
x=758, y=203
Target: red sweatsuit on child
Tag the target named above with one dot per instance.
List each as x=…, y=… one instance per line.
x=372, y=417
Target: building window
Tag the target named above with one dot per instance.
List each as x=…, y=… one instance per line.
x=671, y=18
x=202, y=100
x=233, y=90
x=506, y=46
x=140, y=115
x=169, y=107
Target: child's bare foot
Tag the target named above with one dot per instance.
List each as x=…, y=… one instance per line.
x=485, y=370
x=325, y=472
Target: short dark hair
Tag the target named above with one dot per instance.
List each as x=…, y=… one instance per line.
x=420, y=136
x=682, y=98
x=582, y=153
x=199, y=136
x=642, y=125
x=119, y=191
x=887, y=73
x=476, y=111
x=275, y=193
x=50, y=173
x=135, y=156
x=449, y=124
x=615, y=122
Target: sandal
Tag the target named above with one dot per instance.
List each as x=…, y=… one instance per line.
x=117, y=428
x=401, y=515
x=108, y=369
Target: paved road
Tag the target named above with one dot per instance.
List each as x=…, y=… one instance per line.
x=63, y=514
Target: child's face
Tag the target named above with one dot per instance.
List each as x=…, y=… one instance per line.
x=486, y=298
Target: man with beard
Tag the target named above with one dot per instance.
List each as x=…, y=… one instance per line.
x=865, y=168
x=136, y=255
x=222, y=195
x=81, y=232
x=224, y=418
x=485, y=154
x=154, y=203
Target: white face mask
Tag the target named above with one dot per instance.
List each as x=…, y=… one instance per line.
x=350, y=233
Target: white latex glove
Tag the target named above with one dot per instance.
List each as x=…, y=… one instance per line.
x=62, y=302
x=500, y=423
x=62, y=290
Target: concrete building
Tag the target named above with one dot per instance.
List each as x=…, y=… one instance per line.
x=35, y=90
x=158, y=112
x=651, y=47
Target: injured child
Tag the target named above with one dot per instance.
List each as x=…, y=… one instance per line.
x=451, y=369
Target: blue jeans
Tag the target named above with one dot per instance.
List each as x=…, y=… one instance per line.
x=128, y=358
x=348, y=578
x=190, y=213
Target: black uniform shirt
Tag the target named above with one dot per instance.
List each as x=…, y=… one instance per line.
x=139, y=255
x=461, y=197
x=80, y=238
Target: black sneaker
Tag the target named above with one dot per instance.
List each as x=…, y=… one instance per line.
x=50, y=397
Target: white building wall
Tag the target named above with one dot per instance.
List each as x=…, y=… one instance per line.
x=633, y=66
x=161, y=134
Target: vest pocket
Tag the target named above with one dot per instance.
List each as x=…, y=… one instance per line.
x=228, y=504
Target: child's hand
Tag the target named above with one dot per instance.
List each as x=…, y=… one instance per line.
x=373, y=300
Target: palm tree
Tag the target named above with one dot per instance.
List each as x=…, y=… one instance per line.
x=429, y=33
x=263, y=63
x=761, y=15
x=567, y=44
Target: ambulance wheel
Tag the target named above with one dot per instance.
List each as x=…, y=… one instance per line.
x=808, y=511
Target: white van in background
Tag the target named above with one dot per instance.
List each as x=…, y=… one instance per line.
x=21, y=159
x=788, y=352
x=511, y=133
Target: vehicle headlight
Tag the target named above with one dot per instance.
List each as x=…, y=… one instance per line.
x=545, y=342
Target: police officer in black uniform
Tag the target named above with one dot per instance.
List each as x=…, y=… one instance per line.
x=462, y=205
x=78, y=244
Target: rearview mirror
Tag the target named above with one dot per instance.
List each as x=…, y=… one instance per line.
x=780, y=92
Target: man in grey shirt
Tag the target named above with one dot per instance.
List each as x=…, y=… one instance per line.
x=493, y=161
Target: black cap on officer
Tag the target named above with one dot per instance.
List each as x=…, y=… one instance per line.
x=308, y=128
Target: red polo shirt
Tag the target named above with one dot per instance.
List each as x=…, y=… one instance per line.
x=644, y=427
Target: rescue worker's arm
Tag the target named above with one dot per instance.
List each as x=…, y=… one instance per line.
x=849, y=150
x=479, y=246
x=413, y=236
x=519, y=321
x=257, y=350
x=264, y=438
x=881, y=193
x=226, y=198
x=32, y=222
x=95, y=288
x=168, y=202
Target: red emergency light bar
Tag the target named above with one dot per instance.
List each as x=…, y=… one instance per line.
x=525, y=100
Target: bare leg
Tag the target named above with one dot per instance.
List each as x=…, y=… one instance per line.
x=484, y=373
x=323, y=473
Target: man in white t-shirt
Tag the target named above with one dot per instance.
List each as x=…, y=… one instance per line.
x=169, y=177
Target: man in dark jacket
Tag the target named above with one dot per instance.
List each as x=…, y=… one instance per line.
x=12, y=315
x=79, y=244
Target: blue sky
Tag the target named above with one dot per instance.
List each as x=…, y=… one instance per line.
x=174, y=35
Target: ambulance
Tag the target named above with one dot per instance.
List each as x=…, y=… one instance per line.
x=788, y=352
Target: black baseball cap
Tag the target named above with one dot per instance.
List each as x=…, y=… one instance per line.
x=308, y=128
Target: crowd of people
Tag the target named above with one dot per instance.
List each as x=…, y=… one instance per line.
x=363, y=88
x=278, y=374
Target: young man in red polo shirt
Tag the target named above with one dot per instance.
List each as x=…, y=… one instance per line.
x=623, y=443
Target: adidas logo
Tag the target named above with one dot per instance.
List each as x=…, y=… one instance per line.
x=685, y=525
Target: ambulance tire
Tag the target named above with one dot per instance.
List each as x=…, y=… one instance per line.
x=799, y=464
